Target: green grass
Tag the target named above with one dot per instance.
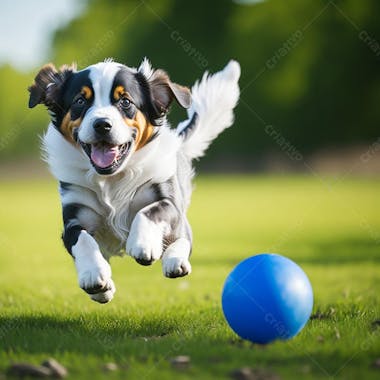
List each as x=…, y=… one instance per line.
x=331, y=229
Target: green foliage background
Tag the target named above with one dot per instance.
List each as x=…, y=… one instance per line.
x=305, y=68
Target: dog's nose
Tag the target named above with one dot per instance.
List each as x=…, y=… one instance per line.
x=102, y=126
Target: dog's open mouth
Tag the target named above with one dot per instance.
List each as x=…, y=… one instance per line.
x=106, y=158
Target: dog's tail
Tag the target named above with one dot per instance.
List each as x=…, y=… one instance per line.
x=213, y=101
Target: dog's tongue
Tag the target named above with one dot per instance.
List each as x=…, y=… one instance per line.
x=104, y=156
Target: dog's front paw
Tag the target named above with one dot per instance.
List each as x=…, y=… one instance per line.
x=94, y=272
x=106, y=295
x=145, y=239
x=173, y=267
x=95, y=277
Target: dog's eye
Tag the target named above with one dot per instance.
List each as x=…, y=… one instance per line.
x=80, y=101
x=125, y=102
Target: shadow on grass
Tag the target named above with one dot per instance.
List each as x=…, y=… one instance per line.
x=324, y=252
x=343, y=251
x=41, y=334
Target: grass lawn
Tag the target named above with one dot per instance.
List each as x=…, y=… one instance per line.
x=331, y=230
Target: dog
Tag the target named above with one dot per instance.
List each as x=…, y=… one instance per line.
x=124, y=174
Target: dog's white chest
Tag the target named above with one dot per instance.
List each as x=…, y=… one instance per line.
x=123, y=196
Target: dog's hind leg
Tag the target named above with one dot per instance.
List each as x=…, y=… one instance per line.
x=175, y=260
x=160, y=231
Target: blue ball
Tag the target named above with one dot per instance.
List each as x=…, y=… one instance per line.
x=267, y=297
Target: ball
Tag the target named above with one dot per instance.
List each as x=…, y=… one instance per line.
x=267, y=297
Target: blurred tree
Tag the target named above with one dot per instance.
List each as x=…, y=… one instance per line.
x=19, y=128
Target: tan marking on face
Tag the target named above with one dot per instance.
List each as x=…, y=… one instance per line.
x=68, y=126
x=118, y=92
x=86, y=92
x=144, y=129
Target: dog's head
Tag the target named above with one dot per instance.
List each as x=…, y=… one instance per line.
x=108, y=109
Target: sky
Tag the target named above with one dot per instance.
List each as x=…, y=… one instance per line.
x=27, y=27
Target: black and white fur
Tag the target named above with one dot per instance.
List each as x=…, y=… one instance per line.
x=137, y=205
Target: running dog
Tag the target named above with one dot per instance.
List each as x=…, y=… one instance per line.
x=124, y=174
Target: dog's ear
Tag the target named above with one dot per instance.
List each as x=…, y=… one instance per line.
x=163, y=91
x=47, y=85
